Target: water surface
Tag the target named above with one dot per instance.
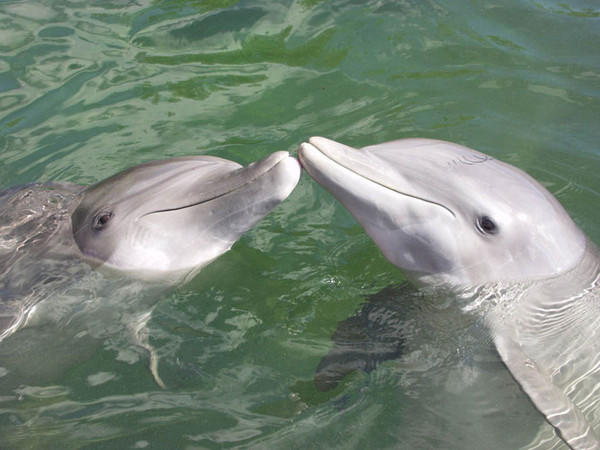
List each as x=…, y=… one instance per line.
x=90, y=88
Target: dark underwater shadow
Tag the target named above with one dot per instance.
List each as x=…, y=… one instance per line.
x=375, y=334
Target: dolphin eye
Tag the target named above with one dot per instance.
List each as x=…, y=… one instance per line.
x=486, y=225
x=101, y=220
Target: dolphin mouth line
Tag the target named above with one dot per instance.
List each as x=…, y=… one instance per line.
x=379, y=183
x=235, y=187
x=192, y=205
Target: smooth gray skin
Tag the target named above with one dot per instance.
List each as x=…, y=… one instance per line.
x=149, y=227
x=448, y=215
x=168, y=219
x=421, y=201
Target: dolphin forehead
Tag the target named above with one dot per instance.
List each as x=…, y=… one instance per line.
x=429, y=153
x=465, y=179
x=411, y=162
x=439, y=153
x=146, y=180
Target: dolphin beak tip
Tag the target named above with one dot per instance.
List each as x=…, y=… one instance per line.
x=304, y=151
x=318, y=141
x=290, y=165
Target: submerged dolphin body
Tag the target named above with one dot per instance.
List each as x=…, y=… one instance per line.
x=153, y=225
x=448, y=215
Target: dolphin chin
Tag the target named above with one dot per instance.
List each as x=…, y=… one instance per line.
x=448, y=215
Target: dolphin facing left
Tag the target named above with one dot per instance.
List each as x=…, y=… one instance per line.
x=159, y=222
x=450, y=216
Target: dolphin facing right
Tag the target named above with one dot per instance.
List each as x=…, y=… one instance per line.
x=145, y=229
x=448, y=215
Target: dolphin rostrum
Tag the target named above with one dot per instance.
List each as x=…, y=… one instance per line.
x=155, y=224
x=451, y=216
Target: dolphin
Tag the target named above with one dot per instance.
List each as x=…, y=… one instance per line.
x=452, y=217
x=87, y=258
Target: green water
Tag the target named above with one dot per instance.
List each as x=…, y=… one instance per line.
x=90, y=88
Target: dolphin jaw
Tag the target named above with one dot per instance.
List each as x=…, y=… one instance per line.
x=338, y=155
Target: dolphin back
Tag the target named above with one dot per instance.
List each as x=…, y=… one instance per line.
x=34, y=229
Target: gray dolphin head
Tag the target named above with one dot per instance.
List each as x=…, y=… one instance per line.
x=444, y=212
x=167, y=219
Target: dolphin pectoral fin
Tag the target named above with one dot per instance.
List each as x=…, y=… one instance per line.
x=558, y=409
x=140, y=333
x=154, y=368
